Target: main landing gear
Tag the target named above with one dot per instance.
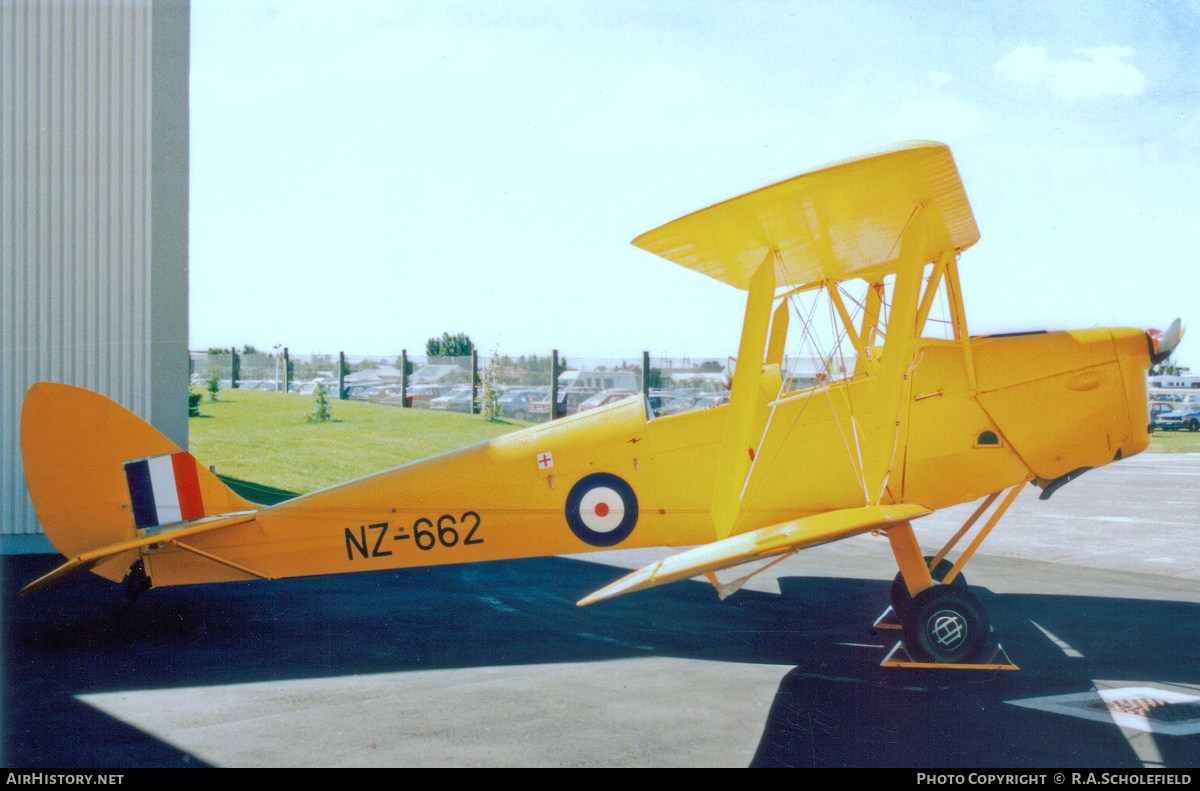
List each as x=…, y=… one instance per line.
x=941, y=622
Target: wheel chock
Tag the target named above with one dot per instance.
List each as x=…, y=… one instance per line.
x=888, y=620
x=899, y=657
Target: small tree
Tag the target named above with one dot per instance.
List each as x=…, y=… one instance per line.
x=448, y=345
x=194, y=402
x=323, y=410
x=489, y=401
x=214, y=386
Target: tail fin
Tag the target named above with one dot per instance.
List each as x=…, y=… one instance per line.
x=97, y=473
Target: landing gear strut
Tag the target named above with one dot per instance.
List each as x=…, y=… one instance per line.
x=941, y=621
x=900, y=596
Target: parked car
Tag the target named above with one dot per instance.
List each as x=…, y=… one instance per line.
x=568, y=403
x=1185, y=416
x=677, y=405
x=1157, y=410
x=604, y=397
x=515, y=403
x=712, y=399
x=454, y=401
x=356, y=392
x=659, y=399
x=418, y=396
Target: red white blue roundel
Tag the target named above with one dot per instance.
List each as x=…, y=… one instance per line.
x=602, y=509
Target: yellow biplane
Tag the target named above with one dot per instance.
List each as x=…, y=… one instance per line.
x=895, y=422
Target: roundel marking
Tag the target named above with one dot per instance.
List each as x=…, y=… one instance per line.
x=601, y=509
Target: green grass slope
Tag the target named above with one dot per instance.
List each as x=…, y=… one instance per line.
x=265, y=438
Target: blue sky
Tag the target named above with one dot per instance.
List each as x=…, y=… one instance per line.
x=366, y=175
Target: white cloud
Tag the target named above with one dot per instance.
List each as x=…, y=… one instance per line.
x=937, y=118
x=1104, y=74
x=939, y=78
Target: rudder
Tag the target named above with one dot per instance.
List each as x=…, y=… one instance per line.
x=85, y=457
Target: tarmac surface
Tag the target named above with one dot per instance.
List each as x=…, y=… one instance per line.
x=1094, y=594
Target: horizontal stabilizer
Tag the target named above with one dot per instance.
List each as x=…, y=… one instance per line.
x=762, y=543
x=88, y=560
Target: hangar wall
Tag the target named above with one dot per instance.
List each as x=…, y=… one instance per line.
x=93, y=217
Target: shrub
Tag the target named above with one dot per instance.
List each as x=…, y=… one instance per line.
x=323, y=410
x=214, y=386
x=489, y=401
x=194, y=403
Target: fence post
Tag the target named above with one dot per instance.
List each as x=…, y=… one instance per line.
x=554, y=384
x=646, y=376
x=341, y=376
x=403, y=378
x=474, y=375
x=287, y=381
x=235, y=369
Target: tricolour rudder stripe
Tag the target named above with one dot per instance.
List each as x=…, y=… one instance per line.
x=141, y=493
x=166, y=494
x=187, y=485
x=164, y=489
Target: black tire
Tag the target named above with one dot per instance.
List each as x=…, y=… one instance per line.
x=1194, y=425
x=946, y=624
x=900, y=598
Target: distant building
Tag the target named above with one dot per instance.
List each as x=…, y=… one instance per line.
x=428, y=374
x=601, y=380
x=382, y=373
x=1182, y=379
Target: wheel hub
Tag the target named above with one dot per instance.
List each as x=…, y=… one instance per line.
x=947, y=628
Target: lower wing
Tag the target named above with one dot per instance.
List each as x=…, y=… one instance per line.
x=765, y=542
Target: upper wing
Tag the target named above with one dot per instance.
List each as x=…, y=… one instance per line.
x=762, y=543
x=842, y=220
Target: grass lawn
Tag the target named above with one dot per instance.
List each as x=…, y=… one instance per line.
x=1174, y=442
x=264, y=438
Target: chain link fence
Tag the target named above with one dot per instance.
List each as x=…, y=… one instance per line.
x=522, y=384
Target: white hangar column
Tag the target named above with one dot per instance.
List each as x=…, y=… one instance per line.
x=93, y=217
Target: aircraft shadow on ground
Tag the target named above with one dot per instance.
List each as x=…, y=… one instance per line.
x=836, y=707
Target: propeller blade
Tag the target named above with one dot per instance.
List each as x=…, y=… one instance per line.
x=1165, y=342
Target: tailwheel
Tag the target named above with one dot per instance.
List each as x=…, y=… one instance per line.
x=901, y=600
x=946, y=624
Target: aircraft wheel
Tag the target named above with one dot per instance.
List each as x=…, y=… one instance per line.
x=900, y=598
x=946, y=623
